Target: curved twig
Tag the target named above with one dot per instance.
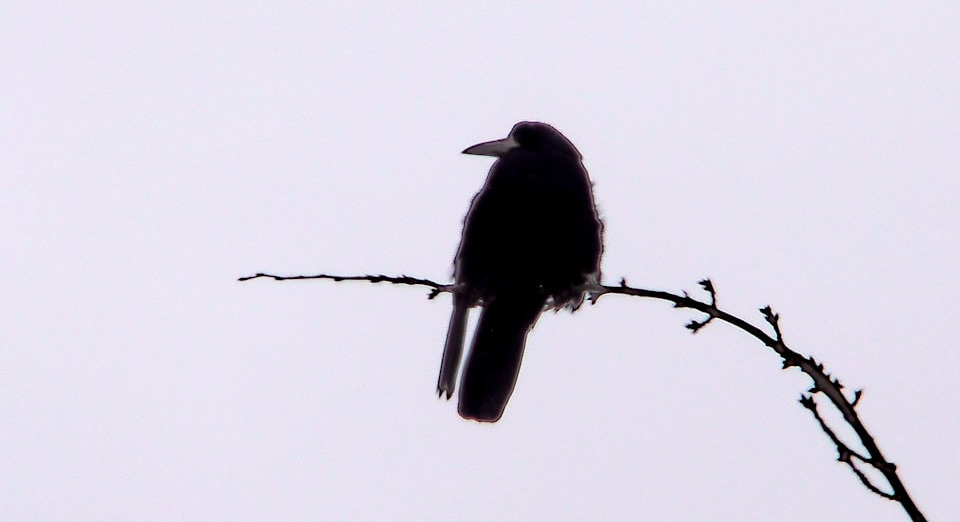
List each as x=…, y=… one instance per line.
x=822, y=381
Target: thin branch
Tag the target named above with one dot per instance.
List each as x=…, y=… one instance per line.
x=396, y=280
x=822, y=381
x=844, y=453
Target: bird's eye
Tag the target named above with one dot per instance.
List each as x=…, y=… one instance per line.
x=526, y=137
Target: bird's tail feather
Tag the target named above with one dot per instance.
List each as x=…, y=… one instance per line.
x=494, y=361
x=453, y=346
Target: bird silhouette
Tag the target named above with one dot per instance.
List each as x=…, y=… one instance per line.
x=531, y=238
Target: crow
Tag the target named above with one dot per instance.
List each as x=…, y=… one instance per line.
x=531, y=239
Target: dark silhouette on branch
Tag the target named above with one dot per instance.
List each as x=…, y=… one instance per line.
x=823, y=382
x=532, y=236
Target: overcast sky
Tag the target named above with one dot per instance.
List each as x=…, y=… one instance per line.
x=801, y=154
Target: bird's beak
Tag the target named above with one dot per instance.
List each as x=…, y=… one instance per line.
x=495, y=148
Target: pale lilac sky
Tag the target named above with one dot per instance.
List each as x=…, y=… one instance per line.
x=801, y=154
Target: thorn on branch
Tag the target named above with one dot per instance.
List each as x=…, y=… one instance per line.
x=688, y=302
x=695, y=326
x=791, y=360
x=773, y=320
x=856, y=397
x=815, y=364
x=707, y=285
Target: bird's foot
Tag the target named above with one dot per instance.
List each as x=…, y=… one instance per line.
x=456, y=288
x=592, y=287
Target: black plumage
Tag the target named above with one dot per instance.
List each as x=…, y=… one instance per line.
x=531, y=238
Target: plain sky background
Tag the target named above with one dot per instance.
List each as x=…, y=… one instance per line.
x=800, y=154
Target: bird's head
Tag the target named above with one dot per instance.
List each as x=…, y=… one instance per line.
x=529, y=136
